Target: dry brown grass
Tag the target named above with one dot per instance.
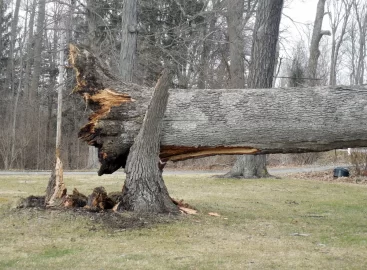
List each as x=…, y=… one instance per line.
x=263, y=224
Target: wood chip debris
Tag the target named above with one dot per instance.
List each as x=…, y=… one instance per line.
x=213, y=214
x=188, y=211
x=300, y=234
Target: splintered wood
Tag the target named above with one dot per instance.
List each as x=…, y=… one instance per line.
x=105, y=99
x=185, y=208
x=176, y=153
x=56, y=189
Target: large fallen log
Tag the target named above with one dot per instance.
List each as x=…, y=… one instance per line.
x=208, y=122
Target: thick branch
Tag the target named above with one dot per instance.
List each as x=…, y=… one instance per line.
x=222, y=121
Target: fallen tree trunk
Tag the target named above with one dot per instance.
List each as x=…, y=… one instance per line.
x=208, y=122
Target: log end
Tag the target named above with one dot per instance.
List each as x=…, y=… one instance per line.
x=98, y=88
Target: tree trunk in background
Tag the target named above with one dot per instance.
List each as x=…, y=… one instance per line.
x=15, y=152
x=361, y=18
x=56, y=189
x=51, y=91
x=236, y=43
x=92, y=162
x=32, y=148
x=203, y=68
x=337, y=42
x=10, y=69
x=128, y=40
x=1, y=23
x=9, y=94
x=92, y=25
x=317, y=34
x=30, y=51
x=263, y=59
x=144, y=189
x=208, y=34
x=37, y=54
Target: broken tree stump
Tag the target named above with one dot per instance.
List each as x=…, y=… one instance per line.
x=99, y=200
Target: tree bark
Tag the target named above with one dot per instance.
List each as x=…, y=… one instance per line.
x=336, y=42
x=361, y=18
x=236, y=43
x=262, y=66
x=128, y=41
x=37, y=53
x=1, y=22
x=317, y=34
x=91, y=38
x=217, y=121
x=144, y=189
x=30, y=51
x=56, y=188
x=92, y=161
x=10, y=70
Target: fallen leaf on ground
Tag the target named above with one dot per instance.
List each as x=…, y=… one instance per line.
x=213, y=214
x=188, y=210
x=300, y=234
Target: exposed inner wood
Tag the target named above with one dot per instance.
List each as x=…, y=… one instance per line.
x=56, y=189
x=177, y=153
x=105, y=99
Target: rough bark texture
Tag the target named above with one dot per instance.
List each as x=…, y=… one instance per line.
x=37, y=52
x=262, y=66
x=236, y=42
x=336, y=42
x=128, y=42
x=264, y=44
x=91, y=39
x=10, y=70
x=361, y=17
x=1, y=23
x=221, y=121
x=317, y=34
x=30, y=51
x=249, y=166
x=144, y=189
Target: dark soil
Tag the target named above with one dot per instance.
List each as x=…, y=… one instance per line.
x=122, y=221
x=100, y=219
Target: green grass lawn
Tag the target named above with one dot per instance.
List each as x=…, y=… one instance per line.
x=264, y=224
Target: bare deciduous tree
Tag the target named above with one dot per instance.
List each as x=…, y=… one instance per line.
x=339, y=13
x=360, y=8
x=317, y=34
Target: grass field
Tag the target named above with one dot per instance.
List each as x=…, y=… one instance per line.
x=263, y=224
